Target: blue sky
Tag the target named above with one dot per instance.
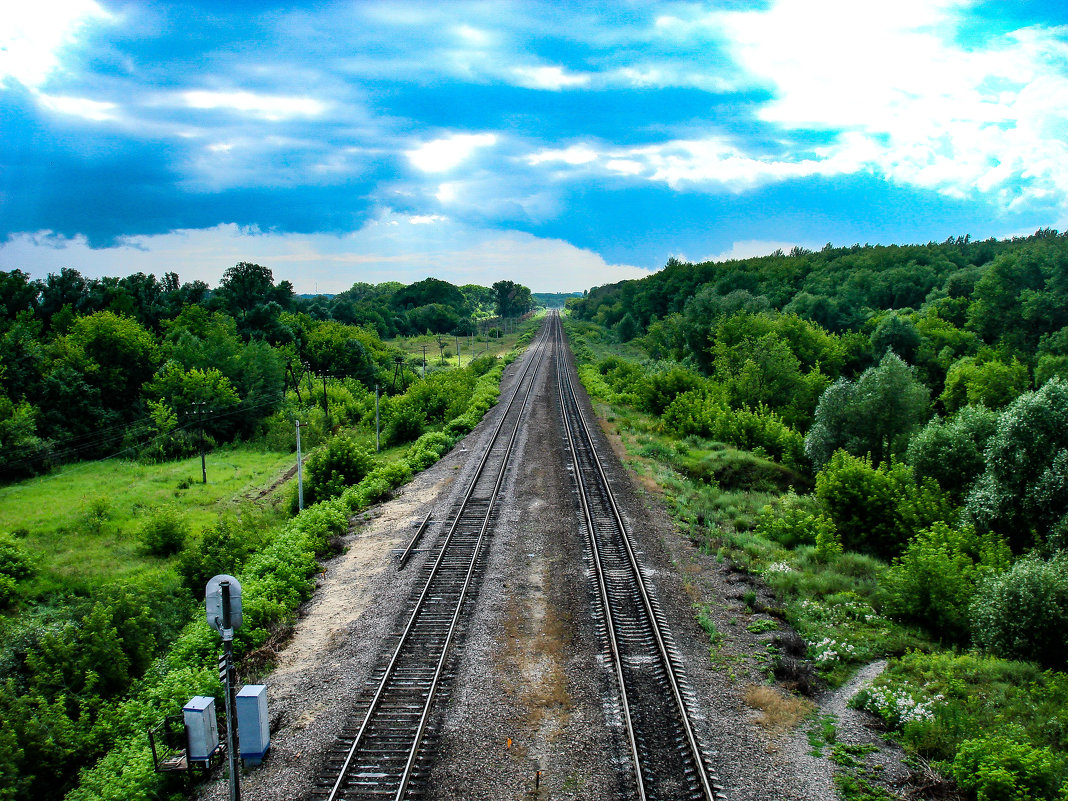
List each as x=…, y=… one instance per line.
x=563, y=145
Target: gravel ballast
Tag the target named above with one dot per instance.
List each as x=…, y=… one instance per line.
x=530, y=705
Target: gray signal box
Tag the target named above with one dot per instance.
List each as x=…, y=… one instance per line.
x=252, y=723
x=201, y=729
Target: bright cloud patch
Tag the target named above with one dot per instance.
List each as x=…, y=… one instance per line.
x=390, y=248
x=919, y=108
x=442, y=155
x=267, y=107
x=551, y=78
x=32, y=34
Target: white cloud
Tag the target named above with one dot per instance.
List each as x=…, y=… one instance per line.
x=32, y=34
x=989, y=119
x=95, y=110
x=442, y=155
x=390, y=248
x=268, y=107
x=550, y=78
x=749, y=248
x=576, y=154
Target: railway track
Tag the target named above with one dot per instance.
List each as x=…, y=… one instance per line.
x=385, y=753
x=665, y=757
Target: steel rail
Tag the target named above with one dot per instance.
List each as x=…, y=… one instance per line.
x=617, y=661
x=376, y=699
x=564, y=378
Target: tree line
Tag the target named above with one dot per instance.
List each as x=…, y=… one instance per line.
x=89, y=366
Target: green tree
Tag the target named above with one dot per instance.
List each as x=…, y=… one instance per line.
x=512, y=299
x=987, y=381
x=875, y=415
x=951, y=451
x=933, y=582
x=877, y=508
x=1018, y=495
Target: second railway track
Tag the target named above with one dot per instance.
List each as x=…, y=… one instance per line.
x=665, y=757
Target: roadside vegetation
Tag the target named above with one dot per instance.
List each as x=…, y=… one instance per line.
x=878, y=435
x=103, y=562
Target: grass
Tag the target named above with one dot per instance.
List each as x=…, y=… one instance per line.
x=82, y=521
x=781, y=712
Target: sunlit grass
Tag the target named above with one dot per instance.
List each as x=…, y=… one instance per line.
x=82, y=521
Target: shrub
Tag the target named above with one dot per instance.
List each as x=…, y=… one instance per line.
x=662, y=387
x=793, y=524
x=341, y=463
x=932, y=583
x=705, y=413
x=428, y=449
x=223, y=548
x=164, y=532
x=406, y=424
x=1000, y=768
x=15, y=565
x=951, y=451
x=1022, y=613
x=876, y=509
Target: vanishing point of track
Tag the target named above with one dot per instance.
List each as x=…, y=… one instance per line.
x=667, y=761
x=383, y=755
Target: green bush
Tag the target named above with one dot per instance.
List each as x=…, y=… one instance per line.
x=222, y=548
x=705, y=413
x=1022, y=613
x=663, y=386
x=794, y=523
x=877, y=509
x=405, y=425
x=1001, y=768
x=164, y=532
x=341, y=463
x=426, y=450
x=15, y=565
x=932, y=583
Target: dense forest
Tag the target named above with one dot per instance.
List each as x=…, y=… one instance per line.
x=881, y=434
x=92, y=366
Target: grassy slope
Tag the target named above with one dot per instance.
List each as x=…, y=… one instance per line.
x=82, y=520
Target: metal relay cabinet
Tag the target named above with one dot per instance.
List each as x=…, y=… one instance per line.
x=201, y=728
x=253, y=727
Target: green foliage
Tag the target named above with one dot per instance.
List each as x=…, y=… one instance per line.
x=342, y=462
x=988, y=382
x=877, y=509
x=1002, y=768
x=1022, y=613
x=705, y=413
x=426, y=450
x=951, y=451
x=796, y=523
x=1020, y=495
x=25, y=453
x=405, y=425
x=15, y=565
x=664, y=385
x=222, y=548
x=164, y=531
x=933, y=582
x=876, y=415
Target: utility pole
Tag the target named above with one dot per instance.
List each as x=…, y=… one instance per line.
x=457, y=351
x=199, y=406
x=326, y=403
x=378, y=438
x=424, y=360
x=300, y=474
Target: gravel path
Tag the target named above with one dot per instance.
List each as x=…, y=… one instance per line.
x=530, y=705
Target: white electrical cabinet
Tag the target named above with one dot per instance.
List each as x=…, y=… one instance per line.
x=252, y=723
x=201, y=728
